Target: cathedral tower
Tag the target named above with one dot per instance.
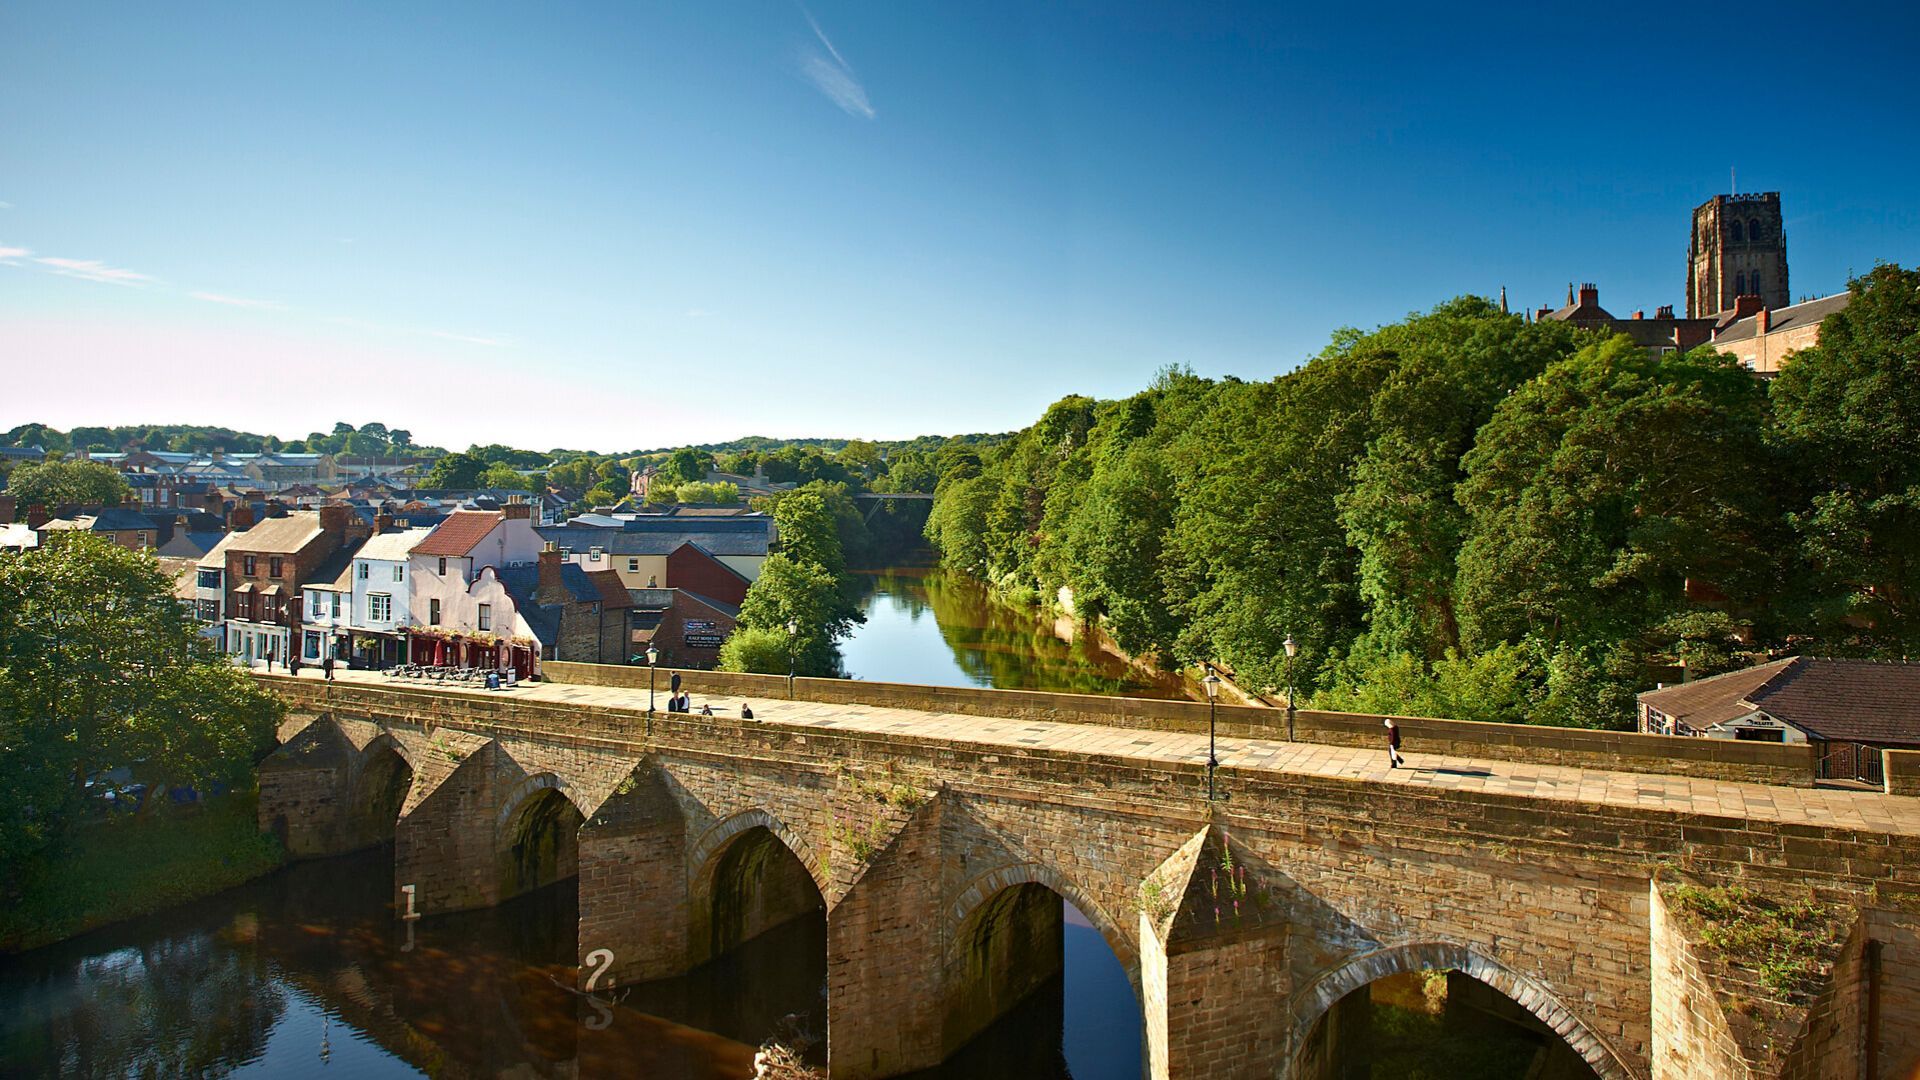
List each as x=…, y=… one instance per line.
x=1739, y=248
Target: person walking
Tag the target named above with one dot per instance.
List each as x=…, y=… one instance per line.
x=673, y=683
x=326, y=666
x=1394, y=760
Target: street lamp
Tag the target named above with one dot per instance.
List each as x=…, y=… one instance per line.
x=1292, y=649
x=793, y=637
x=1212, y=683
x=653, y=660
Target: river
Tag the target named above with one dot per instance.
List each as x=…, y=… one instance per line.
x=930, y=626
x=307, y=972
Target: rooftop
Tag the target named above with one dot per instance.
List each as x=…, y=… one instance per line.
x=1864, y=701
x=460, y=533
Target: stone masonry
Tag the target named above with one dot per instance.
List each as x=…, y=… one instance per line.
x=928, y=838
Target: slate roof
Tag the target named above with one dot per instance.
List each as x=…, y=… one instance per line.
x=185, y=576
x=721, y=606
x=613, y=591
x=1791, y=317
x=1848, y=700
x=393, y=546
x=460, y=533
x=715, y=536
x=216, y=557
x=279, y=535
x=1863, y=701
x=335, y=573
x=521, y=582
x=1704, y=702
x=190, y=545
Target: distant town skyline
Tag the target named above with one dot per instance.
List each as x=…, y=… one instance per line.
x=606, y=229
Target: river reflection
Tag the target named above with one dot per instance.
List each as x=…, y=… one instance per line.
x=930, y=626
x=307, y=972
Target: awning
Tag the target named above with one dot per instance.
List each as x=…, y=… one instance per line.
x=245, y=586
x=271, y=590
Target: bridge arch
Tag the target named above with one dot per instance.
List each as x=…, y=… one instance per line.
x=983, y=888
x=749, y=874
x=537, y=834
x=710, y=845
x=383, y=784
x=1318, y=998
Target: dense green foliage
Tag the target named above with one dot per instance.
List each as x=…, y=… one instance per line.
x=52, y=483
x=101, y=668
x=1474, y=515
x=801, y=606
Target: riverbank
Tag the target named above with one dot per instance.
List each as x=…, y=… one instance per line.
x=122, y=869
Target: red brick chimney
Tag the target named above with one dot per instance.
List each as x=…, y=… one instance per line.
x=382, y=523
x=1664, y=311
x=522, y=511
x=1744, y=306
x=240, y=518
x=37, y=516
x=550, y=590
x=1589, y=295
x=334, y=521
x=1762, y=322
x=7, y=509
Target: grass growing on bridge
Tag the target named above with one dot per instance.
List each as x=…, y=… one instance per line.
x=1789, y=945
x=118, y=870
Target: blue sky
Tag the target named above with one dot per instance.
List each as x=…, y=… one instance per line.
x=615, y=226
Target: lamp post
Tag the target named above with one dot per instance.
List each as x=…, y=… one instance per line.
x=1291, y=648
x=1212, y=683
x=793, y=636
x=653, y=661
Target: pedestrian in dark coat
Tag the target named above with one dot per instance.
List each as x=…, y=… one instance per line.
x=746, y=711
x=673, y=684
x=326, y=666
x=1394, y=760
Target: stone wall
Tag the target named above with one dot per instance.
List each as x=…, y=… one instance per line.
x=1901, y=771
x=1719, y=759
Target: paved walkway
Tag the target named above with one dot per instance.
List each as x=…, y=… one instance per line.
x=1868, y=810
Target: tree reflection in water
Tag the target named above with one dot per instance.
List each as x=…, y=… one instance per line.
x=933, y=627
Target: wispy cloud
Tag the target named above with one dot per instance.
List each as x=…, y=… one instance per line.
x=832, y=75
x=93, y=270
x=9, y=254
x=692, y=312
x=237, y=301
x=468, y=339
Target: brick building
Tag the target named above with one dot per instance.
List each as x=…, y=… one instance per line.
x=572, y=613
x=1661, y=334
x=266, y=566
x=1762, y=338
x=686, y=627
x=1739, y=248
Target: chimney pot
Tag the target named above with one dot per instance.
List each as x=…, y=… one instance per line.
x=1639, y=314
x=240, y=518
x=37, y=516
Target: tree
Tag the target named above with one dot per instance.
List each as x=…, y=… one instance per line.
x=760, y=649
x=53, y=483
x=100, y=667
x=501, y=475
x=809, y=597
x=1848, y=411
x=457, y=471
x=807, y=531
x=687, y=465
x=722, y=493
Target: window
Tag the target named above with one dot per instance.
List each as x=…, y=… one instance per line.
x=633, y=566
x=593, y=554
x=379, y=607
x=273, y=567
x=1740, y=284
x=433, y=612
x=247, y=565
x=443, y=566
x=209, y=579
x=336, y=605
x=1753, y=229
x=1734, y=232
x=486, y=616
x=399, y=572
x=1747, y=734
x=1754, y=281
x=366, y=569
x=140, y=538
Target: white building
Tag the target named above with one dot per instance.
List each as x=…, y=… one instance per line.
x=444, y=565
x=380, y=595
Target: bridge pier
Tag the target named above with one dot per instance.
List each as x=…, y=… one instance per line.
x=321, y=794
x=487, y=833
x=633, y=882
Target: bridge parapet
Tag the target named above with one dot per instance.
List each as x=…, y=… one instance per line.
x=1614, y=751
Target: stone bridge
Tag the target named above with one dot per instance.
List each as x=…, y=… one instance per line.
x=940, y=841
